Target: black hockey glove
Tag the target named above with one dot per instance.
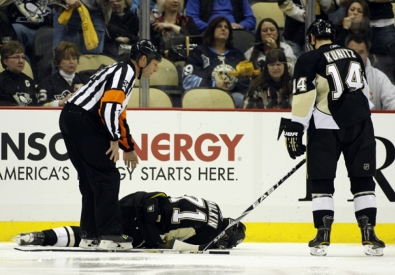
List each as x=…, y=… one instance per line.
x=293, y=133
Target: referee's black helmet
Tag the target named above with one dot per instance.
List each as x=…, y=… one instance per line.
x=147, y=48
x=321, y=28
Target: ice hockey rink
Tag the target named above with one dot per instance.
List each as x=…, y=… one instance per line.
x=247, y=258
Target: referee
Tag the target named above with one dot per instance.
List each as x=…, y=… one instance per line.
x=94, y=127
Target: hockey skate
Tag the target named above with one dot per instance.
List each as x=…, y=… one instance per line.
x=319, y=245
x=121, y=242
x=373, y=245
x=33, y=238
x=89, y=243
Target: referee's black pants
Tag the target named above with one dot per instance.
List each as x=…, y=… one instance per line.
x=87, y=141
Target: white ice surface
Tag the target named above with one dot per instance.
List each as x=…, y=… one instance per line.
x=247, y=258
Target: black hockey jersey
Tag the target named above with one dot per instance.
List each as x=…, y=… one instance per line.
x=190, y=219
x=204, y=67
x=17, y=89
x=31, y=13
x=329, y=85
x=153, y=219
x=55, y=87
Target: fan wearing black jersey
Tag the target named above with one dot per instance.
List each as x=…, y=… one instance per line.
x=330, y=101
x=94, y=126
x=155, y=220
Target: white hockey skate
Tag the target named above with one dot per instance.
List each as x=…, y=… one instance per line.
x=121, y=242
x=373, y=246
x=33, y=238
x=89, y=243
x=319, y=245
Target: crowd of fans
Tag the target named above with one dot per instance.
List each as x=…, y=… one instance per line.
x=110, y=27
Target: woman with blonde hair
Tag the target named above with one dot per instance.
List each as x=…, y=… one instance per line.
x=169, y=23
x=123, y=30
x=56, y=89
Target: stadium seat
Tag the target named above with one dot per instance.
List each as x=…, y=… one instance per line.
x=27, y=70
x=157, y=99
x=263, y=10
x=207, y=98
x=166, y=75
x=243, y=40
x=93, y=62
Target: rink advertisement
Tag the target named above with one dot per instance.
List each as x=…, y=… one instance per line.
x=231, y=158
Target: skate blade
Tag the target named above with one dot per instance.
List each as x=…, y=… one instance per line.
x=110, y=245
x=372, y=250
x=88, y=244
x=319, y=250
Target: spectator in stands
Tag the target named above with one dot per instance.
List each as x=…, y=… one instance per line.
x=136, y=5
x=208, y=64
x=16, y=88
x=267, y=37
x=71, y=26
x=123, y=29
x=24, y=18
x=383, y=35
x=295, y=14
x=238, y=12
x=169, y=25
x=382, y=23
x=356, y=20
x=56, y=89
x=382, y=91
x=272, y=87
x=7, y=33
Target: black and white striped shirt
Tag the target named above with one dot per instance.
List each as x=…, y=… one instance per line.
x=107, y=94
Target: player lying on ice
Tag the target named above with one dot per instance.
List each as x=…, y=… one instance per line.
x=153, y=220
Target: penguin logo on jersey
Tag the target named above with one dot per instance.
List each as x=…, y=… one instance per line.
x=23, y=99
x=62, y=95
x=366, y=166
x=220, y=72
x=34, y=11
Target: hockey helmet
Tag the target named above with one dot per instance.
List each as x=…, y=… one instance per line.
x=147, y=48
x=233, y=236
x=321, y=28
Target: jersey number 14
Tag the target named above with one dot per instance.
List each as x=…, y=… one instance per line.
x=353, y=80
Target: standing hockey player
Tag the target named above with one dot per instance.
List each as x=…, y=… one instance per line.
x=330, y=101
x=154, y=220
x=94, y=127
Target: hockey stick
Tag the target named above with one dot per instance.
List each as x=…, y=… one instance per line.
x=161, y=251
x=182, y=246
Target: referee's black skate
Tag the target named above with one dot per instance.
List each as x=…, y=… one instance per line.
x=118, y=242
x=319, y=245
x=373, y=245
x=33, y=238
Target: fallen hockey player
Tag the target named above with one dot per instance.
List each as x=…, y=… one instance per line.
x=153, y=220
